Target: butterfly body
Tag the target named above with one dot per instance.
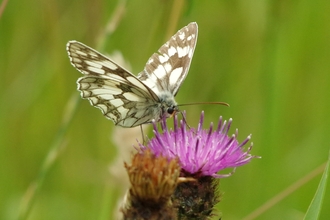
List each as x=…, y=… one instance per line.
x=131, y=100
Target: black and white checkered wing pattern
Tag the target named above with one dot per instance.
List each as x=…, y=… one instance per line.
x=120, y=95
x=129, y=100
x=167, y=69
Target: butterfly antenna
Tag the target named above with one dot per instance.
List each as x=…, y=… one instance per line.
x=206, y=103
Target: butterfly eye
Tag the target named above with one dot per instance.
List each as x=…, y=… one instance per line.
x=170, y=110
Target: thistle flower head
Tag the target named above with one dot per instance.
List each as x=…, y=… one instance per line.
x=153, y=181
x=201, y=152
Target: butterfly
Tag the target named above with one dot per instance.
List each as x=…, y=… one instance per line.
x=130, y=100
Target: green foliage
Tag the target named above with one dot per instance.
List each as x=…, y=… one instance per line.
x=269, y=60
x=315, y=207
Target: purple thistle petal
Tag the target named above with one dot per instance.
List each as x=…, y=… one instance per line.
x=201, y=152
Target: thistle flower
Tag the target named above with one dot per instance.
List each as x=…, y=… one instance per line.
x=201, y=152
x=153, y=181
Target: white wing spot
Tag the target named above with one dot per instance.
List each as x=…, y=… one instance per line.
x=164, y=58
x=109, y=65
x=151, y=84
x=123, y=111
x=107, y=97
x=176, y=73
x=182, y=51
x=106, y=91
x=168, y=67
x=182, y=36
x=131, y=97
x=117, y=102
x=93, y=54
x=81, y=53
x=171, y=51
x=136, y=82
x=160, y=72
x=95, y=70
x=76, y=60
x=93, y=64
x=191, y=53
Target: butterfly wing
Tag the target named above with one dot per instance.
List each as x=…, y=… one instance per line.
x=120, y=95
x=166, y=70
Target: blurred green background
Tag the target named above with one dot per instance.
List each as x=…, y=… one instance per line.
x=270, y=60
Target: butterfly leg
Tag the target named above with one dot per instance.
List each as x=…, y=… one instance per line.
x=143, y=137
x=184, y=119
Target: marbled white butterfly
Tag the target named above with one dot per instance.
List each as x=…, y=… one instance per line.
x=130, y=100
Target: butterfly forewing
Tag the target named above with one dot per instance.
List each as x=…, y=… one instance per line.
x=167, y=69
x=129, y=100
